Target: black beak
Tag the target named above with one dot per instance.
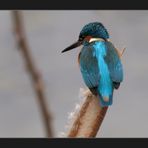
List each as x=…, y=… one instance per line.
x=76, y=44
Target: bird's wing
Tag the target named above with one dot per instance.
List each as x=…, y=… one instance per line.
x=114, y=63
x=89, y=64
x=89, y=68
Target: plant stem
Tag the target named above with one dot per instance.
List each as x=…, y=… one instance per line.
x=34, y=73
x=89, y=118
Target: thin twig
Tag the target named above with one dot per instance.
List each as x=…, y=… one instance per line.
x=34, y=73
x=122, y=52
x=88, y=120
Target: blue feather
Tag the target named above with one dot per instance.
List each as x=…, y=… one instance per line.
x=105, y=87
x=89, y=67
x=114, y=63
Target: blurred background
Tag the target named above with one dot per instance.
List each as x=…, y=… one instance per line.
x=48, y=33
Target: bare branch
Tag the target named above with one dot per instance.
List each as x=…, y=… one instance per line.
x=88, y=120
x=122, y=52
x=34, y=73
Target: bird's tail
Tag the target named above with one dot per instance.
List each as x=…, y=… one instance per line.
x=105, y=101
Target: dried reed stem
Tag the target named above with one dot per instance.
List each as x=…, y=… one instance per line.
x=34, y=73
x=88, y=120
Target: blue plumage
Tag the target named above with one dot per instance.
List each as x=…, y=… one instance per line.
x=100, y=66
x=99, y=61
x=114, y=63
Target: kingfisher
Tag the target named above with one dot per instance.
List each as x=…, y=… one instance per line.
x=99, y=62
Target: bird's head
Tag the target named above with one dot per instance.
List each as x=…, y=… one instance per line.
x=89, y=31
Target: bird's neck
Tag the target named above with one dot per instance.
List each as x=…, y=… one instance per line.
x=97, y=39
x=90, y=40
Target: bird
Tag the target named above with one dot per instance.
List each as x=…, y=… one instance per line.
x=99, y=62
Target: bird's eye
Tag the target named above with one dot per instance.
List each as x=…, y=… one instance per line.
x=81, y=38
